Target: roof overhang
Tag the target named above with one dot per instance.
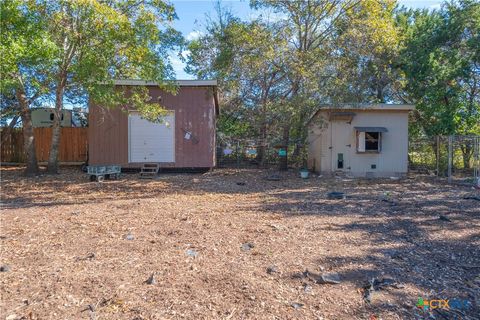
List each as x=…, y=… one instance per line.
x=347, y=116
x=371, y=129
x=354, y=107
x=181, y=83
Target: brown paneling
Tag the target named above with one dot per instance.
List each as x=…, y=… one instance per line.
x=73, y=145
x=194, y=112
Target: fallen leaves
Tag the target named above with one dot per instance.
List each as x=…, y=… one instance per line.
x=211, y=248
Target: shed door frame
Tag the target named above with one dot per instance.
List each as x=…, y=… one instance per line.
x=341, y=136
x=171, y=112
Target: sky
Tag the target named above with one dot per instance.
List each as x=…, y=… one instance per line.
x=192, y=16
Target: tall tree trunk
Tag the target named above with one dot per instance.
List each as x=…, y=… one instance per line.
x=263, y=135
x=262, y=150
x=286, y=138
x=28, y=136
x=467, y=152
x=53, y=155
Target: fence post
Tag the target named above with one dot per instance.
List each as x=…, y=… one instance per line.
x=438, y=155
x=476, y=158
x=238, y=155
x=450, y=158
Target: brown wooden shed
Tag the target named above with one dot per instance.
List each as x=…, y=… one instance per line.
x=186, y=139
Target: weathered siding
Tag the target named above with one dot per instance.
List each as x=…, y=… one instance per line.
x=194, y=112
x=393, y=158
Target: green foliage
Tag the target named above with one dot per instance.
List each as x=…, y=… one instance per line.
x=368, y=42
x=25, y=51
x=275, y=73
x=80, y=47
x=441, y=64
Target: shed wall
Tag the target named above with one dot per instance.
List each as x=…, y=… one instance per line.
x=194, y=112
x=392, y=160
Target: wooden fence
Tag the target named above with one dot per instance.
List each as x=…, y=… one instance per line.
x=73, y=145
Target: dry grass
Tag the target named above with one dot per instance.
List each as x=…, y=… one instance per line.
x=64, y=240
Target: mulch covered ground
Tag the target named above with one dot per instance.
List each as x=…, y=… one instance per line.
x=229, y=244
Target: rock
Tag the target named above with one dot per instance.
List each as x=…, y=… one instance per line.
x=307, y=288
x=241, y=183
x=390, y=201
x=472, y=198
x=4, y=268
x=11, y=317
x=89, y=256
x=129, y=237
x=329, y=278
x=192, y=253
x=444, y=218
x=247, y=246
x=296, y=305
x=272, y=270
x=336, y=195
x=151, y=279
x=379, y=284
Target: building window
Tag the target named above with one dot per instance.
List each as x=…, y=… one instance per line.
x=52, y=116
x=368, y=141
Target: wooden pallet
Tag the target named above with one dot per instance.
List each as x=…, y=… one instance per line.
x=149, y=170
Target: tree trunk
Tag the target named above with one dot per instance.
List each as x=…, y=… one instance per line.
x=28, y=136
x=263, y=140
x=467, y=152
x=286, y=138
x=53, y=156
x=8, y=130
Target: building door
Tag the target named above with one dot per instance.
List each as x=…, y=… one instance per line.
x=341, y=145
x=149, y=141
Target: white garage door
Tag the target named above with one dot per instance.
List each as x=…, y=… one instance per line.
x=149, y=141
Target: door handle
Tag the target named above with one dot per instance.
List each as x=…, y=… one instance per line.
x=348, y=145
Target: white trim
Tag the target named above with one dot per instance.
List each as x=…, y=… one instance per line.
x=182, y=83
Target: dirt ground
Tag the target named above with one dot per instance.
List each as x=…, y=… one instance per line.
x=229, y=244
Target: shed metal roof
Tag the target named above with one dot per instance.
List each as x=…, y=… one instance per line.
x=181, y=83
x=367, y=106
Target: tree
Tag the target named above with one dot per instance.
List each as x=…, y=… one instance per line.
x=99, y=41
x=309, y=27
x=441, y=62
x=366, y=50
x=246, y=59
x=90, y=43
x=25, y=49
x=276, y=71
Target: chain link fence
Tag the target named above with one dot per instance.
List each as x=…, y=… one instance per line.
x=454, y=157
x=248, y=153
